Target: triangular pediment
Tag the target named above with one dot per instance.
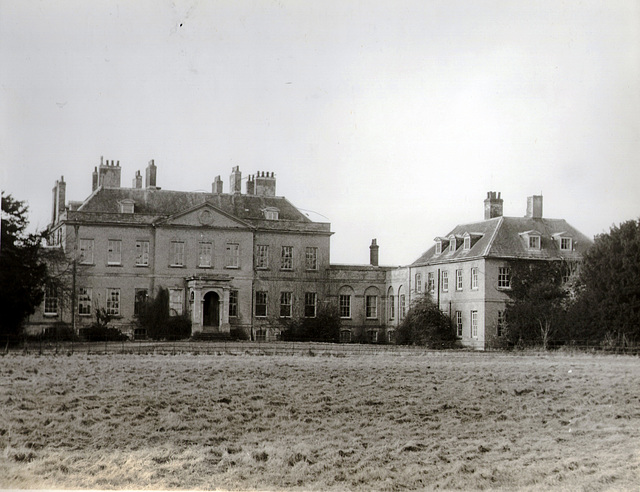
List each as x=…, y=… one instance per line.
x=205, y=215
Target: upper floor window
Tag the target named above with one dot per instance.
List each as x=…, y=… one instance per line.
x=504, y=278
x=205, y=253
x=309, y=304
x=114, y=252
x=418, y=282
x=51, y=300
x=286, y=259
x=262, y=256
x=371, y=307
x=392, y=307
x=142, y=253
x=177, y=253
x=445, y=281
x=232, y=257
x=86, y=251
x=311, y=258
x=459, y=279
x=345, y=305
x=474, y=278
x=431, y=283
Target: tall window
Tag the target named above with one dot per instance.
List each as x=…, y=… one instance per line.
x=459, y=324
x=474, y=324
x=311, y=258
x=403, y=306
x=262, y=256
x=141, y=296
x=392, y=306
x=285, y=304
x=445, y=281
x=86, y=251
x=438, y=246
x=459, y=279
x=233, y=303
x=418, y=282
x=113, y=302
x=142, y=253
x=467, y=242
x=309, y=304
x=84, y=301
x=286, y=258
x=345, y=306
x=232, y=257
x=261, y=304
x=371, y=307
x=474, y=278
x=177, y=253
x=205, y=253
x=176, y=301
x=431, y=283
x=504, y=278
x=114, y=252
x=50, y=300
x=500, y=325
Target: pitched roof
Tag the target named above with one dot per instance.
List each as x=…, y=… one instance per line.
x=502, y=237
x=152, y=205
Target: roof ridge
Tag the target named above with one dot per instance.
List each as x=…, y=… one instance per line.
x=493, y=236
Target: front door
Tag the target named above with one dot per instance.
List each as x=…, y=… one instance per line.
x=211, y=310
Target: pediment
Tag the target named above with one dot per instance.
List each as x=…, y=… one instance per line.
x=205, y=215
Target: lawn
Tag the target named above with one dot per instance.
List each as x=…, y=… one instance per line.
x=387, y=421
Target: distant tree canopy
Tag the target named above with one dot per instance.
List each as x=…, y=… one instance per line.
x=23, y=273
x=536, y=313
x=425, y=324
x=610, y=282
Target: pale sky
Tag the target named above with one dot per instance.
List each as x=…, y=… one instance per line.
x=391, y=119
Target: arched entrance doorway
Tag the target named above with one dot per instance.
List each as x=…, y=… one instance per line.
x=211, y=310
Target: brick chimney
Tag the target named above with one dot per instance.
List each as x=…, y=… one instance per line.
x=265, y=184
x=373, y=252
x=94, y=179
x=216, y=186
x=534, y=207
x=235, y=180
x=59, y=199
x=150, y=175
x=109, y=174
x=492, y=205
x=251, y=185
x=137, y=181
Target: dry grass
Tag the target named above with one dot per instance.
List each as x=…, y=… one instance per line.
x=371, y=422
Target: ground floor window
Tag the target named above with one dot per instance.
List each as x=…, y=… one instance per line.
x=261, y=335
x=84, y=301
x=233, y=303
x=310, y=305
x=500, y=325
x=345, y=306
x=391, y=336
x=51, y=300
x=261, y=304
x=285, y=304
x=371, y=304
x=141, y=296
x=373, y=336
x=176, y=302
x=113, y=302
x=459, y=324
x=474, y=324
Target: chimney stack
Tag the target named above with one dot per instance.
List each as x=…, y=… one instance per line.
x=265, y=184
x=251, y=185
x=150, y=175
x=94, y=179
x=137, y=181
x=59, y=199
x=216, y=186
x=109, y=174
x=534, y=207
x=236, y=180
x=492, y=205
x=373, y=252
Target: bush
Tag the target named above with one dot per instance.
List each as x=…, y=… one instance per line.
x=239, y=334
x=100, y=333
x=154, y=318
x=59, y=332
x=426, y=325
x=325, y=327
x=178, y=328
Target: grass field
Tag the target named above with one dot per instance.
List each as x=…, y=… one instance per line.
x=388, y=421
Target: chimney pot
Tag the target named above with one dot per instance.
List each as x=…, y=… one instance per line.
x=493, y=205
x=373, y=252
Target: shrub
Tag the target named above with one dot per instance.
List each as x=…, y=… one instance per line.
x=238, y=334
x=426, y=325
x=154, y=318
x=100, y=333
x=59, y=331
x=324, y=327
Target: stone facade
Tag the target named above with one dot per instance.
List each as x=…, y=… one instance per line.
x=251, y=261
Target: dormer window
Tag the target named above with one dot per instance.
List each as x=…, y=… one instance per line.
x=126, y=206
x=452, y=244
x=532, y=239
x=438, y=246
x=566, y=244
x=271, y=213
x=467, y=243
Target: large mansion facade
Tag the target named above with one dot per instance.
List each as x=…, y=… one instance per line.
x=247, y=261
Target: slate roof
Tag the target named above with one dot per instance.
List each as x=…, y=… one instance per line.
x=151, y=206
x=503, y=237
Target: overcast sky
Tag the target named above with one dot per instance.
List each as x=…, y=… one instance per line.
x=391, y=119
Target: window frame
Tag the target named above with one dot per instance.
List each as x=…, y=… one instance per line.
x=459, y=279
x=233, y=303
x=262, y=256
x=311, y=258
x=175, y=304
x=138, y=301
x=286, y=258
x=310, y=308
x=232, y=255
x=570, y=244
x=418, y=282
x=85, y=297
x=51, y=300
x=261, y=304
x=142, y=253
x=114, y=252
x=444, y=278
x=474, y=324
x=344, y=304
x=431, y=283
x=474, y=278
x=459, y=324
x=286, y=304
x=504, y=278
x=205, y=252
x=113, y=301
x=176, y=251
x=371, y=306
x=81, y=246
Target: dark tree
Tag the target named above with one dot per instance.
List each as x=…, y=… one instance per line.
x=425, y=324
x=610, y=282
x=23, y=273
x=324, y=327
x=155, y=318
x=537, y=312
